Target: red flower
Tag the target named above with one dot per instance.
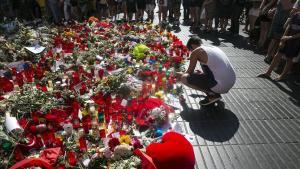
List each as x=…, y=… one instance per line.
x=112, y=143
x=6, y=85
x=71, y=156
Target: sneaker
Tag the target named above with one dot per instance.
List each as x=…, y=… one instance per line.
x=210, y=99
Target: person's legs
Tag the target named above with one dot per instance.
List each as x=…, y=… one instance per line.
x=184, y=80
x=217, y=20
x=275, y=62
x=164, y=13
x=272, y=49
x=288, y=66
x=67, y=11
x=263, y=34
x=201, y=82
x=192, y=10
x=160, y=14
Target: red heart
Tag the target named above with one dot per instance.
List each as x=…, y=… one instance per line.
x=174, y=152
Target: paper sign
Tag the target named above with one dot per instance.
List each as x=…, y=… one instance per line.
x=11, y=123
x=99, y=57
x=116, y=135
x=124, y=103
x=190, y=138
x=36, y=49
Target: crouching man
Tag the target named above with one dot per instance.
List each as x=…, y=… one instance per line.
x=217, y=76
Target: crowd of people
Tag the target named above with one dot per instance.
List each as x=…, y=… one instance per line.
x=273, y=25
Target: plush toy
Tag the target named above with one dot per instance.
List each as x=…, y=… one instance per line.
x=140, y=51
x=174, y=152
x=122, y=151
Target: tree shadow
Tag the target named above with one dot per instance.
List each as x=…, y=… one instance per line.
x=217, y=125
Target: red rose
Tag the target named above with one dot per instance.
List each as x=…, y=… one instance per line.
x=112, y=143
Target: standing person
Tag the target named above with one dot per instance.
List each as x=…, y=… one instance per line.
x=210, y=8
x=141, y=6
x=224, y=12
x=54, y=10
x=238, y=6
x=281, y=14
x=176, y=11
x=124, y=9
x=67, y=10
x=83, y=7
x=289, y=48
x=131, y=9
x=101, y=6
x=162, y=11
x=218, y=76
x=150, y=6
x=186, y=11
x=265, y=17
x=170, y=10
x=194, y=13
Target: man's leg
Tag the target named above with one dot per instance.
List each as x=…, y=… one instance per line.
x=202, y=81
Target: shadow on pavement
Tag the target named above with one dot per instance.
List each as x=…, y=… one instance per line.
x=291, y=89
x=237, y=41
x=213, y=125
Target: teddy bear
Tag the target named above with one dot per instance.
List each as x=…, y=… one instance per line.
x=122, y=151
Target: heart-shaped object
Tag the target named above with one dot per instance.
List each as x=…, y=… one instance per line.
x=174, y=152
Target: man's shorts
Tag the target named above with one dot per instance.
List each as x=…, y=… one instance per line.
x=202, y=80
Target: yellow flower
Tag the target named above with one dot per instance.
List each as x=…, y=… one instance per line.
x=125, y=139
x=159, y=94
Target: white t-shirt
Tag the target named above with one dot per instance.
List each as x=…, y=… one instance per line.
x=221, y=68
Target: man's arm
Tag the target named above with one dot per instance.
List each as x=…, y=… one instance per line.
x=197, y=55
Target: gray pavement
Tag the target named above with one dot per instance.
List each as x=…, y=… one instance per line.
x=260, y=126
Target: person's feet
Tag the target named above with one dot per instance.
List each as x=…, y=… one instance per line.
x=279, y=78
x=210, y=99
x=264, y=75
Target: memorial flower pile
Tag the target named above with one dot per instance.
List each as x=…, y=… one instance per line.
x=97, y=93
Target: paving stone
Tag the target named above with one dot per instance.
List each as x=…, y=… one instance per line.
x=260, y=126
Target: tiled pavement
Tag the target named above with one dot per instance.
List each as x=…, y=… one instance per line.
x=260, y=126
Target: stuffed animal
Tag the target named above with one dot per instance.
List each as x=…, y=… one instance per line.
x=122, y=151
x=173, y=152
